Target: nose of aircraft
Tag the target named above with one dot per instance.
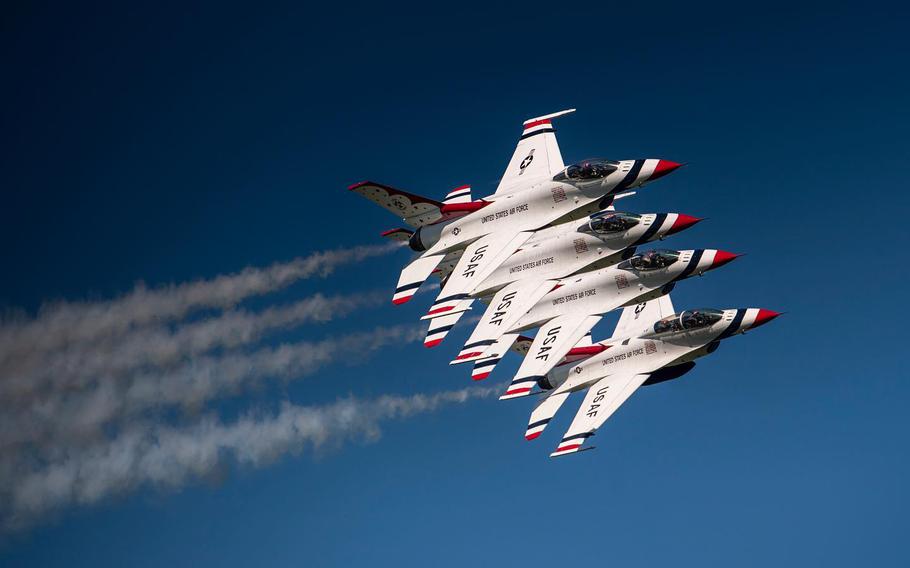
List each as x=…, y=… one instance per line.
x=722, y=257
x=763, y=317
x=683, y=222
x=663, y=168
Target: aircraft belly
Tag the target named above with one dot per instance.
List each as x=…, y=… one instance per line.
x=559, y=260
x=639, y=356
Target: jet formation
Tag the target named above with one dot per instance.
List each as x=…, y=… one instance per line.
x=549, y=251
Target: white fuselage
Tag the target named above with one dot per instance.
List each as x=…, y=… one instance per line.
x=650, y=352
x=604, y=290
x=532, y=207
x=563, y=250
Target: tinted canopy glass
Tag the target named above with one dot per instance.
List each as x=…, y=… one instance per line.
x=612, y=222
x=654, y=259
x=688, y=320
x=696, y=319
x=587, y=170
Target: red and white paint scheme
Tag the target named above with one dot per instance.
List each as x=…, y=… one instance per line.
x=536, y=190
x=572, y=306
x=603, y=239
x=651, y=344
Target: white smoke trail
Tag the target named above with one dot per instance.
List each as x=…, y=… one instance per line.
x=62, y=324
x=162, y=346
x=167, y=456
x=62, y=417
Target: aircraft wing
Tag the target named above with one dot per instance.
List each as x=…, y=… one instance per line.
x=554, y=339
x=478, y=261
x=601, y=401
x=537, y=155
x=638, y=319
x=507, y=305
x=413, y=209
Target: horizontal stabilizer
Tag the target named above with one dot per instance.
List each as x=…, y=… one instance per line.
x=413, y=209
x=484, y=366
x=440, y=327
x=543, y=413
x=400, y=235
x=413, y=275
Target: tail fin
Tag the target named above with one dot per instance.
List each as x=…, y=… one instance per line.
x=638, y=319
x=459, y=195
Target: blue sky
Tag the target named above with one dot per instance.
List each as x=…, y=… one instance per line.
x=186, y=142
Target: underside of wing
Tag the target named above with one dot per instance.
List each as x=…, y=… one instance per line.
x=601, y=401
x=414, y=210
x=505, y=308
x=478, y=261
x=552, y=343
x=536, y=156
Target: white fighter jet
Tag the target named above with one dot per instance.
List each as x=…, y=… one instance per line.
x=536, y=190
x=651, y=344
x=601, y=240
x=566, y=310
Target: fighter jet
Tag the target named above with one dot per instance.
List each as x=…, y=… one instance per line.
x=566, y=310
x=601, y=240
x=651, y=344
x=536, y=190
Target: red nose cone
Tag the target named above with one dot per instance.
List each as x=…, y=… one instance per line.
x=663, y=168
x=764, y=316
x=683, y=222
x=722, y=257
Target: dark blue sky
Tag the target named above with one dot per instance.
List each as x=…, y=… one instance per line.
x=188, y=141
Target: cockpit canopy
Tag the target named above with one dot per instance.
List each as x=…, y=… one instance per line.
x=651, y=260
x=688, y=320
x=587, y=171
x=610, y=222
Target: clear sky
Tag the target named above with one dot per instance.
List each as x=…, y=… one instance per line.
x=183, y=142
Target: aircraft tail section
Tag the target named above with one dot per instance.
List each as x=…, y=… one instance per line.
x=494, y=353
x=415, y=210
x=638, y=319
x=400, y=234
x=459, y=195
x=413, y=275
x=441, y=326
x=543, y=413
